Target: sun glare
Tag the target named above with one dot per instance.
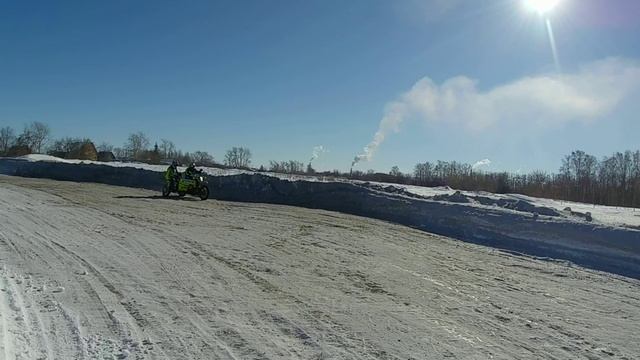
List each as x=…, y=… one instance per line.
x=541, y=6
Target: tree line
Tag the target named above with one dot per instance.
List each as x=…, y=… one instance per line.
x=32, y=138
x=36, y=138
x=612, y=180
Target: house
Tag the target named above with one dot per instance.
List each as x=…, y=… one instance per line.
x=106, y=156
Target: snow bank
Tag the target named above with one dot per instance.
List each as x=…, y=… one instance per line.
x=604, y=215
x=507, y=222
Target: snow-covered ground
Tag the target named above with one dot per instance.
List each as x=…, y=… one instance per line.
x=604, y=215
x=92, y=271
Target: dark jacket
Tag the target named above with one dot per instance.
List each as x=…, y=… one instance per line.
x=192, y=171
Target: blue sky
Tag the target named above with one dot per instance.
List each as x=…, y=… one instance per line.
x=281, y=77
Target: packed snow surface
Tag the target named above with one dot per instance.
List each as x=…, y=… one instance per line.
x=92, y=271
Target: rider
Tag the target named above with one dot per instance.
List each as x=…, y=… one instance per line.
x=171, y=175
x=191, y=171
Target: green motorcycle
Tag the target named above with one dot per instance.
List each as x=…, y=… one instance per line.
x=196, y=185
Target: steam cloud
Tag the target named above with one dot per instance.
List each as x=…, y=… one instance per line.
x=483, y=162
x=317, y=151
x=590, y=93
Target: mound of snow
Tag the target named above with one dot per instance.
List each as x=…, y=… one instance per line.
x=42, y=157
x=605, y=215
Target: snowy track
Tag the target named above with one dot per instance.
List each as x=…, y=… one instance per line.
x=94, y=271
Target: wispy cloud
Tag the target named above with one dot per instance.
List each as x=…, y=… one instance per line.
x=588, y=94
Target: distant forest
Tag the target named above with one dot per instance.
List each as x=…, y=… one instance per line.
x=613, y=180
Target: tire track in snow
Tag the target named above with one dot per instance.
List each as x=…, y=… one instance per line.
x=31, y=315
x=195, y=321
x=21, y=323
x=137, y=323
x=62, y=254
x=7, y=343
x=294, y=331
x=39, y=243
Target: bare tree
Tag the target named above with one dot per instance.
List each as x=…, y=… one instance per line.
x=137, y=144
x=579, y=169
x=105, y=146
x=238, y=157
x=635, y=189
x=276, y=166
x=7, y=138
x=395, y=171
x=167, y=149
x=34, y=135
x=202, y=158
x=41, y=133
x=422, y=172
x=67, y=145
x=244, y=157
x=183, y=158
x=288, y=167
x=296, y=167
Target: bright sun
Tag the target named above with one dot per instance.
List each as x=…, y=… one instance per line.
x=541, y=6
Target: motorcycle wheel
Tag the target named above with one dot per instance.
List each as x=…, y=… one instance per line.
x=204, y=193
x=165, y=191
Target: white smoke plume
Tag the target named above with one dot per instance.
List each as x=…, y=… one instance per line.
x=590, y=93
x=317, y=151
x=483, y=162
